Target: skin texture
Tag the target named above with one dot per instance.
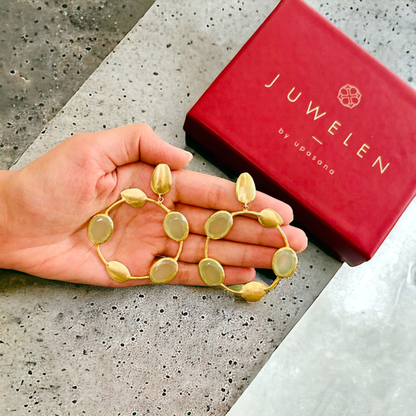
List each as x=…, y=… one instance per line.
x=47, y=205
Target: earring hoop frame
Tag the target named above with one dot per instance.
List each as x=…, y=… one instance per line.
x=175, y=225
x=219, y=224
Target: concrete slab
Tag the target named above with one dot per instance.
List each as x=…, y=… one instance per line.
x=353, y=351
x=48, y=50
x=68, y=349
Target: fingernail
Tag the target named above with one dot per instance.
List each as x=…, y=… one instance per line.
x=305, y=246
x=190, y=155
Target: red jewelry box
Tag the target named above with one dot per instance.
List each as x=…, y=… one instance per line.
x=319, y=123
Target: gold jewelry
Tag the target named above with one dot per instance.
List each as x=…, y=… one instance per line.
x=176, y=227
x=218, y=225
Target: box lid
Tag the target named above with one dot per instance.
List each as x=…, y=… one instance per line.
x=319, y=123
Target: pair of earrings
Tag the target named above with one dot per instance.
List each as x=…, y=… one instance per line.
x=218, y=225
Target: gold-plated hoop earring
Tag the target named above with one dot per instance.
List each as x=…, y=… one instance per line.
x=219, y=224
x=175, y=224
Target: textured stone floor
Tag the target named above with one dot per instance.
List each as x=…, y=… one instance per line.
x=168, y=350
x=48, y=49
x=353, y=352
x=70, y=349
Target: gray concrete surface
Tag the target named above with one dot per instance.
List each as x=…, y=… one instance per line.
x=168, y=350
x=47, y=50
x=353, y=352
x=70, y=349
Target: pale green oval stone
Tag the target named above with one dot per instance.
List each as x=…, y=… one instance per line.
x=176, y=226
x=164, y=270
x=211, y=272
x=218, y=225
x=284, y=262
x=100, y=228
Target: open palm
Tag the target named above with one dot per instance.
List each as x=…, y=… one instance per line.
x=47, y=206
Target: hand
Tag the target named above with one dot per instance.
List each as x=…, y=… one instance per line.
x=46, y=207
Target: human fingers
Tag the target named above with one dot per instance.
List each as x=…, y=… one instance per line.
x=245, y=230
x=112, y=148
x=227, y=253
x=187, y=275
x=197, y=189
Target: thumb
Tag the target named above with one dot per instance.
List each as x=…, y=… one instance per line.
x=134, y=142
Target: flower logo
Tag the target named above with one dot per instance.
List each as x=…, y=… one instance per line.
x=349, y=96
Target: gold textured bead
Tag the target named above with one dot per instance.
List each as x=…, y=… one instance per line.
x=134, y=197
x=161, y=179
x=211, y=272
x=284, y=262
x=118, y=271
x=270, y=218
x=245, y=188
x=253, y=291
x=218, y=225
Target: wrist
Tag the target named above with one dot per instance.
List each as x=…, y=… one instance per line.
x=6, y=219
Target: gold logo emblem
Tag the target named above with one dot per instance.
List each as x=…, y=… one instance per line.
x=349, y=96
